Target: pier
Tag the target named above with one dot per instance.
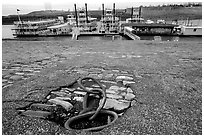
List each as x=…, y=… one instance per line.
x=130, y=33
x=151, y=29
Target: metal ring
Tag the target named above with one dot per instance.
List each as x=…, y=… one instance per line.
x=100, y=91
x=112, y=113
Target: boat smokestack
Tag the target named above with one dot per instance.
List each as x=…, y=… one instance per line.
x=86, y=13
x=140, y=12
x=132, y=13
x=114, y=12
x=76, y=15
x=103, y=13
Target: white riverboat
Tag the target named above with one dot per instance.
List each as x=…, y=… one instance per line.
x=85, y=22
x=191, y=30
x=136, y=16
x=35, y=28
x=109, y=23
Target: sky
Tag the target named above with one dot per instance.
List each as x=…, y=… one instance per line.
x=9, y=6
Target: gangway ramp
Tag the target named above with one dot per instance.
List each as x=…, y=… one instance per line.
x=128, y=31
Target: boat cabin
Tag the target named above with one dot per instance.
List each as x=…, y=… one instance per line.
x=191, y=30
x=150, y=29
x=59, y=29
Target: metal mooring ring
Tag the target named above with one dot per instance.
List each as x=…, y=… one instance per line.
x=93, y=91
x=100, y=105
x=112, y=113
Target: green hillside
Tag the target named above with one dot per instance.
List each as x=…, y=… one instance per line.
x=167, y=13
x=172, y=13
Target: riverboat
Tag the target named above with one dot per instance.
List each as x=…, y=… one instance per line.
x=109, y=23
x=33, y=28
x=153, y=29
x=84, y=22
x=135, y=16
x=191, y=31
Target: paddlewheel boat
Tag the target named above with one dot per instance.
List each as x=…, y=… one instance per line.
x=33, y=28
x=109, y=23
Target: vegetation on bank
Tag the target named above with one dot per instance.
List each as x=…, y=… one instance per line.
x=166, y=12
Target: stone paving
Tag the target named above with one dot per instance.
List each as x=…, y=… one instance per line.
x=17, y=71
x=69, y=98
x=157, y=86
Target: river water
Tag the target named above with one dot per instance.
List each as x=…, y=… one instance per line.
x=8, y=34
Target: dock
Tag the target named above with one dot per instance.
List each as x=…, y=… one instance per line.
x=129, y=32
x=152, y=29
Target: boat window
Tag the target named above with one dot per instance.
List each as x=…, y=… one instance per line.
x=194, y=30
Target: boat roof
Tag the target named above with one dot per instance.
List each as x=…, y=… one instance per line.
x=42, y=21
x=135, y=18
x=58, y=26
x=35, y=22
x=192, y=27
x=153, y=25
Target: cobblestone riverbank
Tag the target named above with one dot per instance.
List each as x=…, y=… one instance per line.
x=155, y=87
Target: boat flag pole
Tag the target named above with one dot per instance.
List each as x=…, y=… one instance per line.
x=19, y=16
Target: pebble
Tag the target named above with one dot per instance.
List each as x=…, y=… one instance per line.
x=129, y=96
x=80, y=99
x=114, y=96
x=125, y=82
x=95, y=86
x=63, y=98
x=69, y=89
x=122, y=88
x=61, y=94
x=79, y=88
x=115, y=88
x=110, y=91
x=48, y=97
x=27, y=70
x=68, y=106
x=129, y=90
x=137, y=76
x=39, y=114
x=30, y=74
x=115, y=104
x=108, y=76
x=4, y=80
x=19, y=73
x=89, y=88
x=80, y=93
x=117, y=71
x=107, y=81
x=100, y=76
x=125, y=72
x=10, y=82
x=36, y=71
x=123, y=93
x=16, y=77
x=123, y=78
